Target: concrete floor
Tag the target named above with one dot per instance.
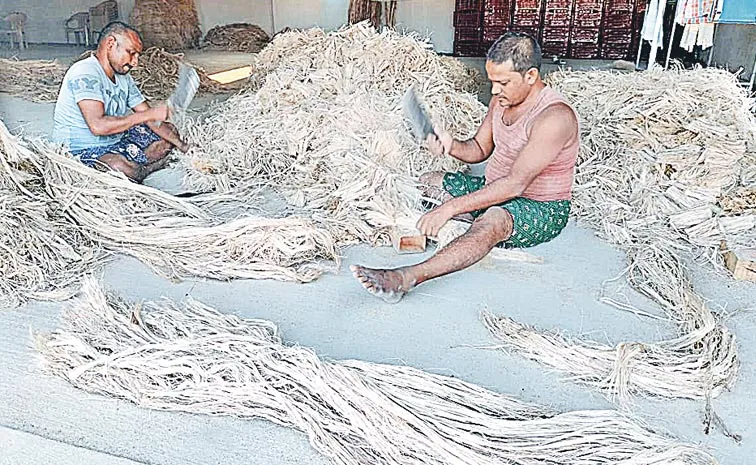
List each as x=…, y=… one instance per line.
x=45, y=420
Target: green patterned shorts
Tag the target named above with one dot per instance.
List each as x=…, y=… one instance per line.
x=534, y=222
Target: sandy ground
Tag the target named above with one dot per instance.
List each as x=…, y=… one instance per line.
x=437, y=328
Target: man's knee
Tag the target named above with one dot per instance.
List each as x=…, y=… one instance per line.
x=496, y=221
x=118, y=163
x=432, y=178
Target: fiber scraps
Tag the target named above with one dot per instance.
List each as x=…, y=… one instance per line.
x=206, y=236
x=157, y=74
x=35, y=80
x=188, y=357
x=41, y=256
x=181, y=238
x=658, y=151
x=170, y=25
x=322, y=125
x=237, y=37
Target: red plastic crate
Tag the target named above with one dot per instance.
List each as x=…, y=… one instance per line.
x=468, y=18
x=587, y=51
x=556, y=34
x=467, y=49
x=469, y=5
x=617, y=35
x=590, y=36
x=549, y=49
x=467, y=34
x=497, y=13
x=557, y=17
x=490, y=34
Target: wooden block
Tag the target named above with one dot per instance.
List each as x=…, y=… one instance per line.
x=741, y=263
x=405, y=241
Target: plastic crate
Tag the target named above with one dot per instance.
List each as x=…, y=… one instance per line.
x=468, y=49
x=616, y=51
x=556, y=34
x=469, y=5
x=589, y=36
x=559, y=49
x=468, y=18
x=497, y=14
x=491, y=34
x=557, y=17
x=585, y=51
x=468, y=34
x=617, y=35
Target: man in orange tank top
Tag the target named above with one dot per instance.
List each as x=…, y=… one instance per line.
x=530, y=141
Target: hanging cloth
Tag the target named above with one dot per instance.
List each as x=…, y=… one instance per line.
x=688, y=39
x=649, y=24
x=697, y=34
x=705, y=35
x=699, y=11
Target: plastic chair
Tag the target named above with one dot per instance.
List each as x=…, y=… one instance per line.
x=17, y=22
x=78, y=24
x=99, y=17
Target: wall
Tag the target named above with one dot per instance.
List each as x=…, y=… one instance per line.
x=214, y=13
x=735, y=46
x=428, y=17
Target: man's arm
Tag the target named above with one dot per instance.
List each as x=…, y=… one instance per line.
x=103, y=125
x=551, y=131
x=162, y=130
x=474, y=150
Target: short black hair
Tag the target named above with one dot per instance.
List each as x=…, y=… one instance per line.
x=116, y=28
x=522, y=49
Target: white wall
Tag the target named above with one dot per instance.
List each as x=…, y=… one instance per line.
x=46, y=17
x=432, y=18
x=428, y=17
x=215, y=12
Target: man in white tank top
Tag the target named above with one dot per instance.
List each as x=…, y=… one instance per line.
x=530, y=139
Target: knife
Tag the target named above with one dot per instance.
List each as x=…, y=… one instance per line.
x=417, y=115
x=186, y=88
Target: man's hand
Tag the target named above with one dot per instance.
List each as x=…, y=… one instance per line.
x=439, y=143
x=159, y=113
x=184, y=146
x=431, y=223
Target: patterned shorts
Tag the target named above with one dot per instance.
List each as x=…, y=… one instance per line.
x=534, y=222
x=132, y=146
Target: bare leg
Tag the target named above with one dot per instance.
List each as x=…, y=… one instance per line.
x=494, y=226
x=161, y=149
x=132, y=170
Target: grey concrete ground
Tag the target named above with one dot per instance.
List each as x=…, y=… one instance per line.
x=44, y=420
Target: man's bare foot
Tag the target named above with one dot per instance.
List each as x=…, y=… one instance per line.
x=389, y=285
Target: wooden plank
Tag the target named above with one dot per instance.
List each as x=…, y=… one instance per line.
x=408, y=241
x=741, y=263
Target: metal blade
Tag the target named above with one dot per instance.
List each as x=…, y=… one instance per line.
x=188, y=83
x=417, y=115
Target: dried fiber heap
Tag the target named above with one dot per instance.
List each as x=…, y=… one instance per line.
x=659, y=150
x=157, y=74
x=322, y=125
x=237, y=37
x=35, y=80
x=41, y=255
x=170, y=25
x=188, y=357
